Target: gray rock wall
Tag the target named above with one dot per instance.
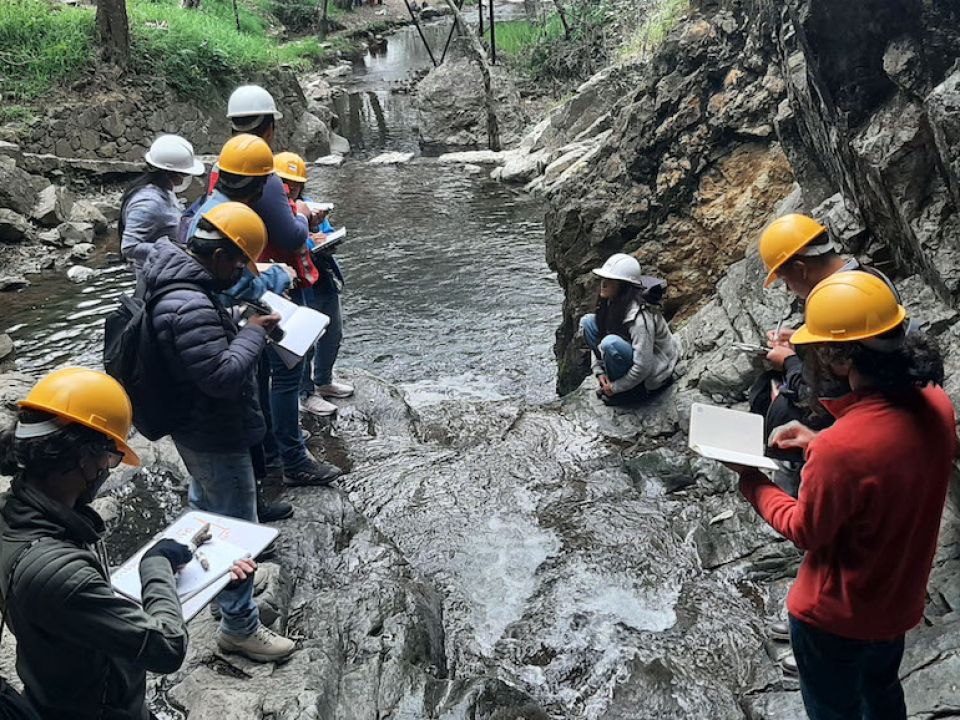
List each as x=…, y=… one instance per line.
x=120, y=125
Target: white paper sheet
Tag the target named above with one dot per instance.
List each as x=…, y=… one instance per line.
x=330, y=239
x=728, y=436
x=232, y=539
x=301, y=327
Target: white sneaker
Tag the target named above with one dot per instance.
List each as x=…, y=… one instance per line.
x=316, y=405
x=335, y=390
x=263, y=646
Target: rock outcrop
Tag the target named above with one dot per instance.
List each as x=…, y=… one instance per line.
x=741, y=100
x=452, y=110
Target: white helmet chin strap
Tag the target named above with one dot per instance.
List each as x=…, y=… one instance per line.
x=26, y=431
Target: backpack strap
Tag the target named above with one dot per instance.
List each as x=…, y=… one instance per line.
x=13, y=568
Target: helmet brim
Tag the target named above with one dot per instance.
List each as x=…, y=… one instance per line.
x=600, y=272
x=804, y=336
x=290, y=177
x=129, y=456
x=770, y=279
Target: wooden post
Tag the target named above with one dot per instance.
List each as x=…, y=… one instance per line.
x=493, y=126
x=563, y=19
x=480, y=15
x=416, y=21
x=236, y=14
x=453, y=29
x=324, y=28
x=493, y=36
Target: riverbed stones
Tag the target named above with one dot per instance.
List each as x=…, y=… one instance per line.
x=73, y=232
x=13, y=226
x=82, y=251
x=312, y=135
x=391, y=158
x=54, y=206
x=329, y=161
x=80, y=274
x=13, y=282
x=85, y=212
x=339, y=145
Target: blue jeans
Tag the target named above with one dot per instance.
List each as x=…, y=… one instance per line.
x=318, y=364
x=843, y=679
x=223, y=483
x=615, y=353
x=285, y=402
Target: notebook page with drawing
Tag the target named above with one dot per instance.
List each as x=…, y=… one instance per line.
x=232, y=540
x=728, y=436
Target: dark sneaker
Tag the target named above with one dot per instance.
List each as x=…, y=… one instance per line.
x=268, y=512
x=315, y=472
x=780, y=631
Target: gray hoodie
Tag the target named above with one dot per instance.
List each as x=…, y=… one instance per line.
x=150, y=214
x=656, y=350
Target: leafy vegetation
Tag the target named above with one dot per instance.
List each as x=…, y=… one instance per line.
x=195, y=51
x=516, y=36
x=654, y=29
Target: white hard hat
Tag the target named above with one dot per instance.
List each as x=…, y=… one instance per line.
x=173, y=153
x=251, y=100
x=621, y=267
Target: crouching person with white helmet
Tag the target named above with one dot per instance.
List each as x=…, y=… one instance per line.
x=83, y=651
x=149, y=209
x=633, y=351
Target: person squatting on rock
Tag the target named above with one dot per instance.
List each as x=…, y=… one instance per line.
x=797, y=250
x=149, y=208
x=319, y=289
x=871, y=497
x=633, y=351
x=82, y=650
x=215, y=363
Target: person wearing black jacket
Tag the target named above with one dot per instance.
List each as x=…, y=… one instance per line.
x=83, y=651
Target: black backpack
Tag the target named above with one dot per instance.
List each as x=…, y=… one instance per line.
x=132, y=356
x=13, y=705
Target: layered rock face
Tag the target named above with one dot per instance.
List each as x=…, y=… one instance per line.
x=689, y=173
x=864, y=105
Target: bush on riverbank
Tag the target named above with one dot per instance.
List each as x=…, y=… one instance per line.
x=195, y=51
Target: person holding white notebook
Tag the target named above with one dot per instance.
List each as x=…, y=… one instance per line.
x=870, y=501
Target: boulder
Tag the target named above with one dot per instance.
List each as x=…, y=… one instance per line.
x=54, y=206
x=452, y=111
x=74, y=232
x=13, y=282
x=18, y=189
x=82, y=251
x=81, y=274
x=473, y=157
x=11, y=150
x=7, y=353
x=338, y=145
x=13, y=226
x=311, y=136
x=391, y=158
x=329, y=161
x=85, y=212
x=522, y=166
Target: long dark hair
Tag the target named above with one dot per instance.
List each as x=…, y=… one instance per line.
x=153, y=176
x=916, y=363
x=41, y=456
x=611, y=313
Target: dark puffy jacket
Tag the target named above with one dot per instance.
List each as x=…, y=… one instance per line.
x=214, y=360
x=83, y=652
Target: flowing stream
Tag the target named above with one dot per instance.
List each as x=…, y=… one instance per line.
x=559, y=570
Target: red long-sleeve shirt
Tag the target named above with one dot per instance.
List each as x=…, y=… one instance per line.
x=868, y=514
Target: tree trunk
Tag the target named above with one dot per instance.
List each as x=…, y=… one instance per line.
x=476, y=49
x=190, y=4
x=325, y=19
x=113, y=32
x=563, y=19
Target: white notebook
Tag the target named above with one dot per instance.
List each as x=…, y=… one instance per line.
x=330, y=239
x=728, y=436
x=232, y=539
x=301, y=327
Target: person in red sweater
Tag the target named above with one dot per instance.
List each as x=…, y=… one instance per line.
x=870, y=501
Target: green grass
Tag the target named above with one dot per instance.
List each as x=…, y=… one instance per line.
x=195, y=51
x=515, y=36
x=654, y=29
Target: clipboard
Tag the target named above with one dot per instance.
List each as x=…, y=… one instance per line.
x=330, y=240
x=728, y=435
x=301, y=327
x=248, y=538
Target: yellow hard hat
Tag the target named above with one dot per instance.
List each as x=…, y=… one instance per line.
x=86, y=397
x=246, y=155
x=849, y=306
x=784, y=238
x=242, y=226
x=290, y=166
